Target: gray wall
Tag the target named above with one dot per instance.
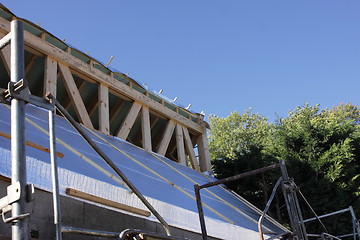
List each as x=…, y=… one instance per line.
x=83, y=215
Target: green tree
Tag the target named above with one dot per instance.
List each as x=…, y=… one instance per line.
x=238, y=132
x=321, y=149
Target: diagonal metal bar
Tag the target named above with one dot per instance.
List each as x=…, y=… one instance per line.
x=108, y=161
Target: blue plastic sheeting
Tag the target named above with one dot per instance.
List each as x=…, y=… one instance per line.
x=166, y=184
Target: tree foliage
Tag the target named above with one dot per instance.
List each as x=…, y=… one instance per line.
x=320, y=147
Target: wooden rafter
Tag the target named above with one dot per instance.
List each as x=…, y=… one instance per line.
x=203, y=152
x=190, y=149
x=74, y=94
x=145, y=128
x=166, y=137
x=103, y=103
x=50, y=76
x=80, y=84
x=129, y=121
x=180, y=145
x=64, y=57
x=89, y=73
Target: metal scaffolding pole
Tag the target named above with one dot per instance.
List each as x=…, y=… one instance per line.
x=54, y=174
x=18, y=172
x=292, y=204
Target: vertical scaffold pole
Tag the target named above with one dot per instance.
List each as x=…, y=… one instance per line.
x=54, y=174
x=18, y=160
x=292, y=205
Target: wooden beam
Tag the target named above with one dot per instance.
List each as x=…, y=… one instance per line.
x=116, y=108
x=39, y=44
x=190, y=150
x=5, y=56
x=180, y=145
x=166, y=137
x=50, y=76
x=129, y=121
x=29, y=63
x=74, y=94
x=145, y=128
x=203, y=152
x=106, y=202
x=32, y=144
x=80, y=84
x=103, y=103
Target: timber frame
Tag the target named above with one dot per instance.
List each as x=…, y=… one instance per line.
x=107, y=101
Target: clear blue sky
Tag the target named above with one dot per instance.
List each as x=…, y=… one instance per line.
x=219, y=55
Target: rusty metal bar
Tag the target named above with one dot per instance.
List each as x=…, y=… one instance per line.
x=201, y=211
x=221, y=181
x=242, y=175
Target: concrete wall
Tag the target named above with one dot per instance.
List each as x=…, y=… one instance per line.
x=83, y=215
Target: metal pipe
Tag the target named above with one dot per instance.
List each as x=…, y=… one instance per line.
x=5, y=40
x=356, y=225
x=54, y=175
x=201, y=211
x=66, y=229
x=325, y=235
x=108, y=161
x=267, y=207
x=145, y=235
x=242, y=175
x=327, y=215
x=18, y=156
x=221, y=181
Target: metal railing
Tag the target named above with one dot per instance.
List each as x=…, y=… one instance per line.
x=289, y=191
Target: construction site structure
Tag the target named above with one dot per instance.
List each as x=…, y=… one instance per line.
x=88, y=153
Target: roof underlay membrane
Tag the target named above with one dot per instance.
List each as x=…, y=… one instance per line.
x=167, y=185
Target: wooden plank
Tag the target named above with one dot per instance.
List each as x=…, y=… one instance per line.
x=5, y=56
x=180, y=145
x=166, y=137
x=75, y=95
x=50, y=76
x=190, y=150
x=80, y=84
x=129, y=121
x=106, y=202
x=203, y=152
x=103, y=103
x=98, y=76
x=32, y=144
x=145, y=129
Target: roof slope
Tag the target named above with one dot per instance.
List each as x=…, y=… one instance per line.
x=166, y=184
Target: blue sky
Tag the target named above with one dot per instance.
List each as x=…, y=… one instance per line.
x=220, y=56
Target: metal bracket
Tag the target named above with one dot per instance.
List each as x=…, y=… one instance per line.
x=14, y=195
x=20, y=90
x=290, y=186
